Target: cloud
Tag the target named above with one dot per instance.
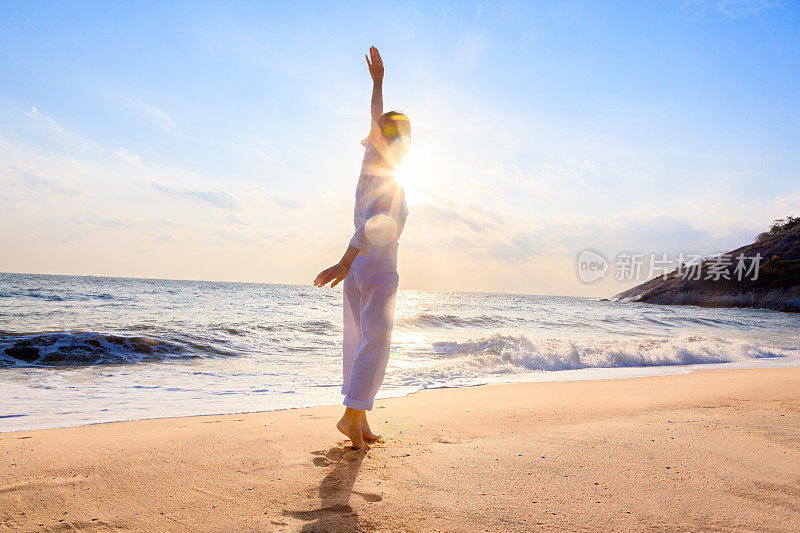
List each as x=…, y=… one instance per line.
x=35, y=114
x=261, y=193
x=216, y=198
x=166, y=239
x=34, y=178
x=626, y=232
x=635, y=231
x=441, y=216
x=733, y=9
x=50, y=123
x=107, y=222
x=237, y=238
x=285, y=201
x=233, y=219
x=125, y=155
x=251, y=150
x=166, y=223
x=277, y=237
x=155, y=114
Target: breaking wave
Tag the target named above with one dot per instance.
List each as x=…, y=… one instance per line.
x=80, y=348
x=502, y=354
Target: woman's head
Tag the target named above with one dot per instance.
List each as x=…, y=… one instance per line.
x=395, y=130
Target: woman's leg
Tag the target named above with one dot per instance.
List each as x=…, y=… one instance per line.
x=378, y=291
x=350, y=423
x=351, y=327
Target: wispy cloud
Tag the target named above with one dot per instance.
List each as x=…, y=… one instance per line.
x=237, y=238
x=733, y=9
x=33, y=178
x=286, y=201
x=159, y=116
x=166, y=223
x=265, y=195
x=214, y=198
x=447, y=216
x=125, y=155
x=168, y=239
x=277, y=237
x=233, y=219
x=251, y=150
x=520, y=242
x=106, y=222
x=57, y=129
x=636, y=232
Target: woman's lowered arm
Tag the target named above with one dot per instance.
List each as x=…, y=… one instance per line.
x=339, y=271
x=382, y=224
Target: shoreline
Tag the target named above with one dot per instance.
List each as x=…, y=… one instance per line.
x=638, y=372
x=716, y=449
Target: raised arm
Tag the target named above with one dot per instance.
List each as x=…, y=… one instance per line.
x=375, y=64
x=360, y=243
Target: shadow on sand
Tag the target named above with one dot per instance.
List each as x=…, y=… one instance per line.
x=335, y=491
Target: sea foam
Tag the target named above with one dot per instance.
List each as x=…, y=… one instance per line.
x=510, y=354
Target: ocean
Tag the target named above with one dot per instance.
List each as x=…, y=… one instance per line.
x=76, y=350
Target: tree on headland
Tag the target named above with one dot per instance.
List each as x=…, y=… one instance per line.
x=782, y=225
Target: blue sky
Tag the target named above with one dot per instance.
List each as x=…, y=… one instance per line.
x=210, y=141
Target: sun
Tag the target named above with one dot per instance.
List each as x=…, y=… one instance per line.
x=412, y=175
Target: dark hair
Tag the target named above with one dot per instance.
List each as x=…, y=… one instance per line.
x=394, y=125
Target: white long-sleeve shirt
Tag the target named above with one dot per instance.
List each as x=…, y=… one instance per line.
x=379, y=215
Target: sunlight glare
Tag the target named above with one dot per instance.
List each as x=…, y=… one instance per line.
x=412, y=175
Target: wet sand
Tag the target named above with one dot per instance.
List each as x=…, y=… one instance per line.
x=712, y=450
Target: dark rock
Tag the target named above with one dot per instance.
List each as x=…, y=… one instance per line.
x=29, y=354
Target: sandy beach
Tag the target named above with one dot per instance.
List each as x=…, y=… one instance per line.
x=711, y=450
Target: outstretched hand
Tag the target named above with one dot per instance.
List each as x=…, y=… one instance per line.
x=334, y=274
x=375, y=64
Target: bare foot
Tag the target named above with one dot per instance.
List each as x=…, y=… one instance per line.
x=350, y=425
x=366, y=431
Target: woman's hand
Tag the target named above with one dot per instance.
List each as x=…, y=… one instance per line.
x=336, y=273
x=375, y=64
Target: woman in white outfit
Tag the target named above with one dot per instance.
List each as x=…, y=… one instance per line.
x=369, y=266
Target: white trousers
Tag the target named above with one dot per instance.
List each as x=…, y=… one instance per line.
x=368, y=318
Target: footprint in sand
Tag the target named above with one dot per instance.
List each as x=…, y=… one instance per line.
x=333, y=455
x=322, y=461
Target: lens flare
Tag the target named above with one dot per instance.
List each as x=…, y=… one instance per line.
x=412, y=176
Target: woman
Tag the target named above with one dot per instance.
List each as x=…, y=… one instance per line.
x=369, y=266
